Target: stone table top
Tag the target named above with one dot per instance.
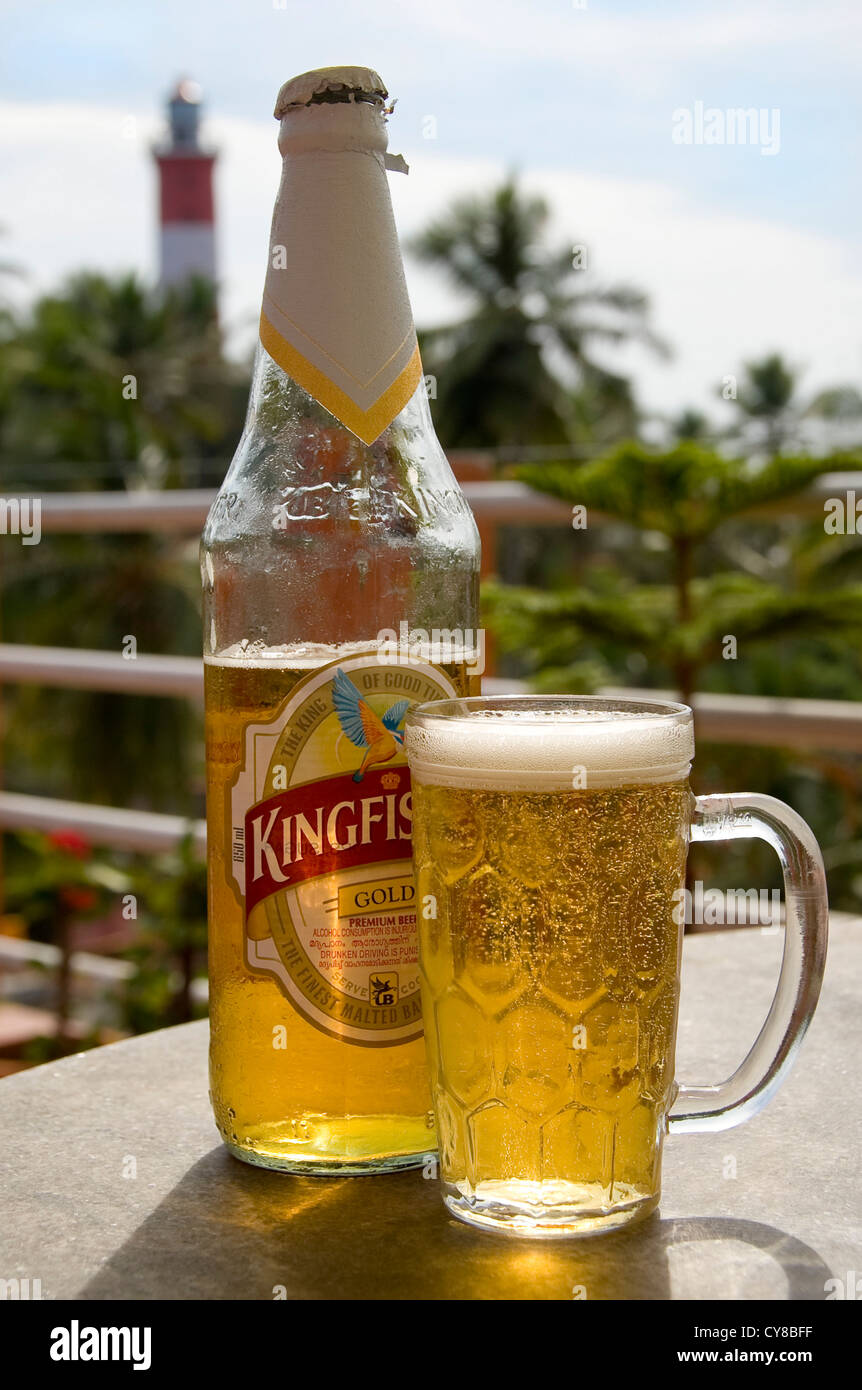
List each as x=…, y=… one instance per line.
x=771, y=1209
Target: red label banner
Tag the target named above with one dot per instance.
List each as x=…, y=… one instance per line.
x=321, y=827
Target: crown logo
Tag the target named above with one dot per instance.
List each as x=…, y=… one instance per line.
x=389, y=781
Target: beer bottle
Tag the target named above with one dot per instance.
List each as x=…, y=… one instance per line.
x=340, y=574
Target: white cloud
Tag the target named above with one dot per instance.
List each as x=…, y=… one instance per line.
x=626, y=40
x=724, y=288
x=81, y=192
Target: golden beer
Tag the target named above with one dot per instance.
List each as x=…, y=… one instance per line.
x=340, y=573
x=549, y=949
x=283, y=1092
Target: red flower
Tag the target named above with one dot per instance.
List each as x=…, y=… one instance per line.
x=78, y=899
x=70, y=842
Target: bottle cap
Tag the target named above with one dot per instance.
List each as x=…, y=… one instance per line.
x=363, y=84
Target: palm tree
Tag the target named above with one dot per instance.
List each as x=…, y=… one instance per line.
x=771, y=416
x=690, y=424
x=112, y=378
x=767, y=409
x=519, y=367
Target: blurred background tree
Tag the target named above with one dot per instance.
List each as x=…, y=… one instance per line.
x=772, y=415
x=170, y=950
x=520, y=368
x=690, y=588
x=676, y=501
x=111, y=384
x=58, y=881
x=766, y=398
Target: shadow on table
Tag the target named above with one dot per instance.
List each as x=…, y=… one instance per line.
x=234, y=1232
x=231, y=1231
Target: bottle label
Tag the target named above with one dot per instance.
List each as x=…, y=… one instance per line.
x=321, y=852
x=336, y=314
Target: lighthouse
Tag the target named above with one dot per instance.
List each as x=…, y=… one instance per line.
x=186, y=221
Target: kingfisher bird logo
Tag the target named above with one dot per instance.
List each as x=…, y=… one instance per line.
x=379, y=738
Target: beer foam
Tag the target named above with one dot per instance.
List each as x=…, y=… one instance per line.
x=308, y=656
x=570, y=746
x=292, y=656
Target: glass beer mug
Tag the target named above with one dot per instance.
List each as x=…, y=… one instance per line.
x=550, y=839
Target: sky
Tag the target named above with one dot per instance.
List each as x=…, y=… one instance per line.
x=742, y=247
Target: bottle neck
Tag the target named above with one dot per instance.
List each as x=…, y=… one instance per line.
x=336, y=315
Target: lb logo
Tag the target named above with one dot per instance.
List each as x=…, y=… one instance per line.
x=383, y=990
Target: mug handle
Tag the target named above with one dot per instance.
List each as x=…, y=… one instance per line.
x=700, y=1109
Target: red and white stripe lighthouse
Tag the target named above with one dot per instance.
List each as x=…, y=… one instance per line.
x=186, y=211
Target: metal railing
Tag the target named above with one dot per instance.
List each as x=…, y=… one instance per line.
x=770, y=721
x=744, y=719
x=493, y=502
x=766, y=721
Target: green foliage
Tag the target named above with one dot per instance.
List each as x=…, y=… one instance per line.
x=58, y=878
x=766, y=405
x=771, y=416
x=93, y=592
x=768, y=387
x=55, y=877
x=691, y=424
x=528, y=307
x=109, y=383
x=644, y=618
x=684, y=493
x=170, y=891
x=115, y=381
x=676, y=624
x=684, y=561
x=46, y=1049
